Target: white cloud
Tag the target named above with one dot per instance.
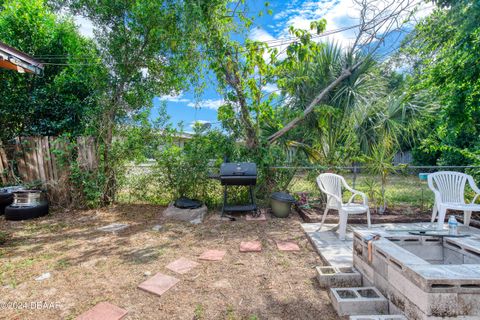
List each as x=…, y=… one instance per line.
x=174, y=98
x=260, y=34
x=208, y=103
x=270, y=87
x=85, y=26
x=338, y=14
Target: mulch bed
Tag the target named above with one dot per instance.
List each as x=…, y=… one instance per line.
x=395, y=215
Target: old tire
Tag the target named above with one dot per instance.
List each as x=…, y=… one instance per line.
x=16, y=213
x=5, y=200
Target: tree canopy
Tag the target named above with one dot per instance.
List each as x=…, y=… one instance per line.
x=65, y=98
x=326, y=103
x=444, y=51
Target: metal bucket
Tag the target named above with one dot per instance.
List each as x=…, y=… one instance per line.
x=281, y=203
x=26, y=198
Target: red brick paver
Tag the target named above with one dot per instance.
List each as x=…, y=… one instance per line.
x=287, y=246
x=158, y=284
x=103, y=311
x=250, y=246
x=212, y=255
x=182, y=265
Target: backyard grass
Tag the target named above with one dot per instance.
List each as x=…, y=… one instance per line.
x=404, y=193
x=88, y=266
x=401, y=191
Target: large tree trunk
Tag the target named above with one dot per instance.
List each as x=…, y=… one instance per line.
x=251, y=137
x=233, y=79
x=109, y=187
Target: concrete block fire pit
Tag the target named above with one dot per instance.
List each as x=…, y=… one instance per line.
x=423, y=277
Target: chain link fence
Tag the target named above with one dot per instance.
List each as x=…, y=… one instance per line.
x=405, y=188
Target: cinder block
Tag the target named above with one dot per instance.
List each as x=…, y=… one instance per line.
x=393, y=308
x=358, y=301
x=380, y=263
x=397, y=279
x=361, y=248
x=338, y=277
x=431, y=304
x=397, y=300
x=358, y=246
x=412, y=312
x=468, y=304
x=470, y=259
x=364, y=268
x=442, y=305
x=381, y=284
x=432, y=252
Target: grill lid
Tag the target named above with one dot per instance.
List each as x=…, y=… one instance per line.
x=238, y=169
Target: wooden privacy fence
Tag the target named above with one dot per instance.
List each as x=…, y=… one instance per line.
x=45, y=160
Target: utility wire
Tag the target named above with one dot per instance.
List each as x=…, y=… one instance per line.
x=271, y=44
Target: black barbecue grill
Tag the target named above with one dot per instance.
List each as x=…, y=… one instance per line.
x=238, y=174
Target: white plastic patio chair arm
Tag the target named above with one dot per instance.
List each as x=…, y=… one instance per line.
x=475, y=198
x=474, y=187
x=436, y=193
x=438, y=196
x=358, y=193
x=354, y=193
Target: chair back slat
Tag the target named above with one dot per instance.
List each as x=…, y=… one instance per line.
x=451, y=185
x=332, y=183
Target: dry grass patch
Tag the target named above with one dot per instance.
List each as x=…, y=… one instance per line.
x=88, y=266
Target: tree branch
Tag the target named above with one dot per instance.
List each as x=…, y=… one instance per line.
x=370, y=30
x=292, y=124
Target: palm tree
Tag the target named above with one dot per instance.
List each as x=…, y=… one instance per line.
x=327, y=135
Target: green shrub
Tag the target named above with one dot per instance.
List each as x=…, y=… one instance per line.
x=184, y=172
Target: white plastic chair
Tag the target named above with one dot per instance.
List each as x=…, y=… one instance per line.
x=331, y=184
x=449, y=190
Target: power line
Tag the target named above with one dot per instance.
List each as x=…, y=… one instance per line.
x=271, y=44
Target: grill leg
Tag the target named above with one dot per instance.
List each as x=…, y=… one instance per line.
x=224, y=200
x=252, y=201
x=224, y=204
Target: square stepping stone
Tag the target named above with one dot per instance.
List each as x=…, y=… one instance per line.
x=261, y=217
x=113, y=227
x=212, y=255
x=287, y=246
x=182, y=265
x=103, y=311
x=250, y=246
x=158, y=284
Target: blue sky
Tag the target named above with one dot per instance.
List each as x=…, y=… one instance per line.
x=299, y=13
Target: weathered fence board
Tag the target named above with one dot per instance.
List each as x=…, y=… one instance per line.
x=20, y=160
x=3, y=170
x=6, y=170
x=45, y=160
x=53, y=158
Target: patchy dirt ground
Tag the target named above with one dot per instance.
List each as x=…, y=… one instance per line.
x=88, y=266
